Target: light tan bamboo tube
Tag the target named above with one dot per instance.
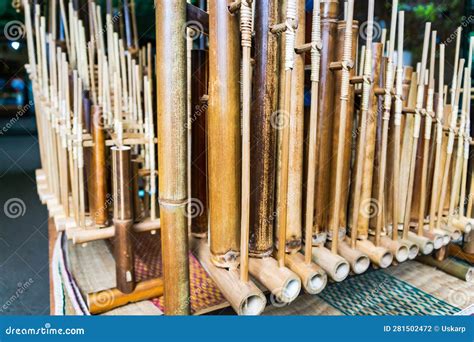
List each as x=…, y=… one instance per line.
x=284, y=284
x=413, y=249
x=80, y=236
x=436, y=239
x=399, y=250
x=296, y=142
x=224, y=135
x=123, y=218
x=366, y=205
x=329, y=14
x=380, y=256
x=106, y=300
x=468, y=245
x=439, y=140
x=335, y=266
x=245, y=298
x=313, y=277
x=423, y=243
x=172, y=152
x=344, y=189
x=358, y=261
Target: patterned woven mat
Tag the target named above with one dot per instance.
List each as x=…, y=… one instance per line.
x=379, y=293
x=204, y=294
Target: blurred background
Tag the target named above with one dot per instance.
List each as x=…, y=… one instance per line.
x=24, y=235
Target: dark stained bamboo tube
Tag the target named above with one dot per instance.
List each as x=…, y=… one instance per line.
x=224, y=135
x=172, y=152
x=450, y=266
x=263, y=134
x=341, y=27
x=123, y=218
x=199, y=86
x=98, y=181
x=329, y=14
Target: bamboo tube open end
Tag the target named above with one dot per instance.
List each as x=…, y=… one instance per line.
x=425, y=245
x=462, y=224
x=358, y=261
x=280, y=281
x=335, y=266
x=380, y=256
x=252, y=306
x=438, y=242
x=361, y=264
x=401, y=255
x=413, y=249
x=313, y=277
x=400, y=250
x=446, y=237
x=470, y=274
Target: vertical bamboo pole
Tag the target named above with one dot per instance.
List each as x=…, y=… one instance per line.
x=172, y=154
x=314, y=112
x=99, y=170
x=291, y=15
x=329, y=14
x=246, y=41
x=439, y=139
x=224, y=135
x=346, y=65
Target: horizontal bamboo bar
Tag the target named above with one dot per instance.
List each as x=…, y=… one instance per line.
x=106, y=300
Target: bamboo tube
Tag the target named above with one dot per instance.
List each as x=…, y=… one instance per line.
x=223, y=136
x=123, y=218
x=282, y=202
x=344, y=189
x=335, y=266
x=364, y=205
x=98, y=167
x=246, y=41
x=380, y=256
x=457, y=252
x=400, y=251
x=199, y=87
x=387, y=104
x=263, y=134
x=245, y=298
x=439, y=139
x=346, y=61
x=450, y=266
x=329, y=14
x=311, y=171
x=296, y=139
x=172, y=154
x=416, y=133
x=313, y=277
x=450, y=146
x=106, y=300
x=358, y=261
x=282, y=283
x=430, y=114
